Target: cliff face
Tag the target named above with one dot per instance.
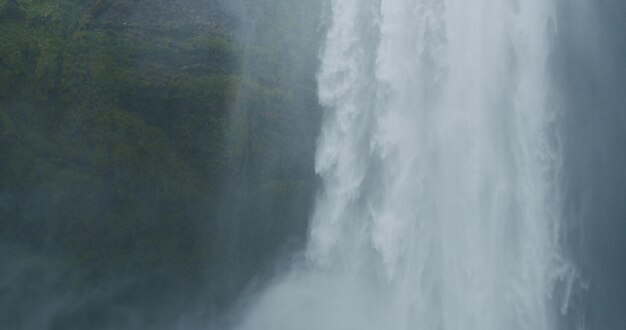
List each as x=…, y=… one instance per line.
x=149, y=150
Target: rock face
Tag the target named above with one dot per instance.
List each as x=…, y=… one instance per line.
x=149, y=150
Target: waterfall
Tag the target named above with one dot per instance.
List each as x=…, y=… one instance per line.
x=439, y=157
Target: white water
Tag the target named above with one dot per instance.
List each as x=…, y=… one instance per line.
x=439, y=207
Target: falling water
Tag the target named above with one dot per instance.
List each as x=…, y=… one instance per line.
x=440, y=205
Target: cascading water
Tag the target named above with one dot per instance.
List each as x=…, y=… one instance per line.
x=440, y=206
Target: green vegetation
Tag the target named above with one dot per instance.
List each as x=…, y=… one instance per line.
x=128, y=131
x=91, y=110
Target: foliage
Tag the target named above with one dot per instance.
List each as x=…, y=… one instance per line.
x=128, y=130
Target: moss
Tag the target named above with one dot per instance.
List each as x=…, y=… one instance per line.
x=121, y=121
x=7, y=128
x=211, y=44
x=10, y=10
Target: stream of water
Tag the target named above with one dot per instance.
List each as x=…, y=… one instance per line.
x=440, y=161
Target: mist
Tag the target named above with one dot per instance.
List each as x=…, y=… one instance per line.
x=589, y=66
x=156, y=157
x=312, y=164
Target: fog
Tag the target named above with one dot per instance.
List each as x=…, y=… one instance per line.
x=159, y=239
x=589, y=66
x=181, y=164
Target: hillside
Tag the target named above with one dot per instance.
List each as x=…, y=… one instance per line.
x=128, y=130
